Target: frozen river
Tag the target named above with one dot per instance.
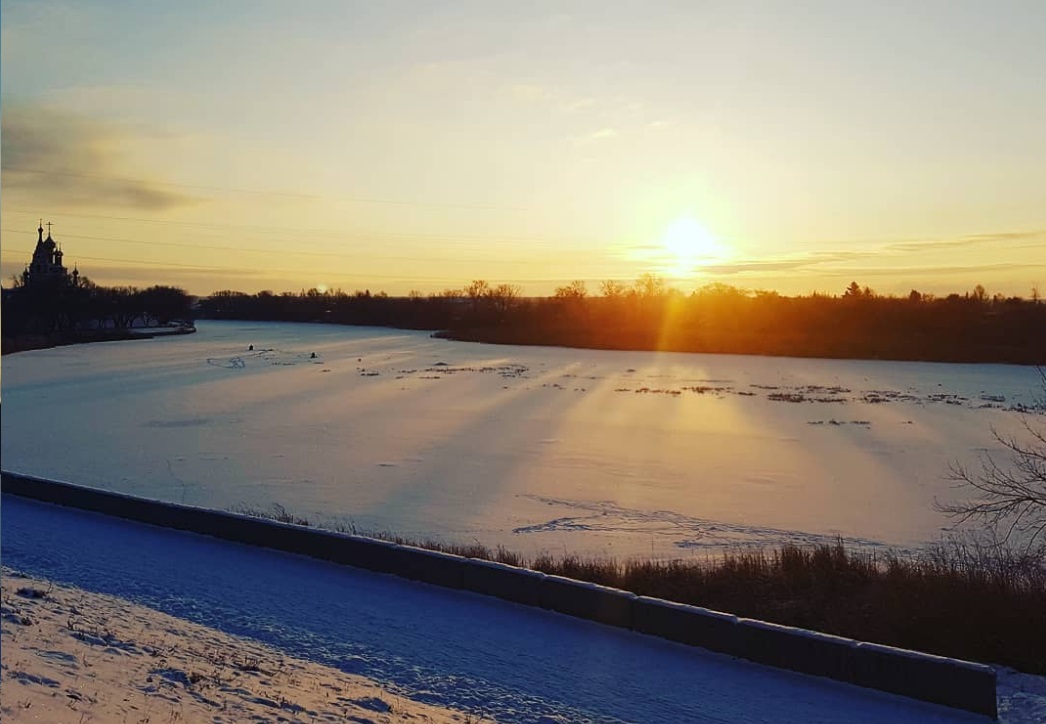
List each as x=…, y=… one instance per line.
x=628, y=453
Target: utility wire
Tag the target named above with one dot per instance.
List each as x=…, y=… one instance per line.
x=357, y=256
x=256, y=271
x=552, y=241
x=260, y=192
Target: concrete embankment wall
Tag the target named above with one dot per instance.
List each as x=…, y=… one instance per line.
x=930, y=678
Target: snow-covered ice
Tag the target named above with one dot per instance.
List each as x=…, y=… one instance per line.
x=537, y=449
x=436, y=646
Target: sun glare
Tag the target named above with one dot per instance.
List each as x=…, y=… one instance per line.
x=690, y=245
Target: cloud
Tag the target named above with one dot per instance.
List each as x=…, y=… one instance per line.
x=969, y=240
x=645, y=248
x=809, y=262
x=601, y=136
x=61, y=158
x=816, y=260
x=760, y=265
x=791, y=264
x=580, y=104
x=797, y=263
x=953, y=269
x=530, y=93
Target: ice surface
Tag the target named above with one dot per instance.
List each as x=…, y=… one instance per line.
x=538, y=449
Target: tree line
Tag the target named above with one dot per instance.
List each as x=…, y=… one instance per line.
x=717, y=318
x=68, y=308
x=478, y=303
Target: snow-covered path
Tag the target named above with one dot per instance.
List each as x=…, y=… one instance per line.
x=434, y=645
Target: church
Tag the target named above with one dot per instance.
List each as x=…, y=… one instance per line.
x=46, y=269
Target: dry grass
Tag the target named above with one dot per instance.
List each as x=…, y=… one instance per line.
x=963, y=597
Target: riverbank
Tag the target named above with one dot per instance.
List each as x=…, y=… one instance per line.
x=944, y=599
x=755, y=342
x=25, y=343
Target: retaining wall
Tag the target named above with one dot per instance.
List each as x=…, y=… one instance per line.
x=936, y=679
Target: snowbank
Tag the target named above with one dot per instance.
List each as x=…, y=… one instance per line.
x=70, y=655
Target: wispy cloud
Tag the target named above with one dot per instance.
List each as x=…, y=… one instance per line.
x=57, y=157
x=798, y=263
x=601, y=135
x=894, y=271
x=848, y=261
x=661, y=125
x=579, y=104
x=969, y=240
x=810, y=261
x=530, y=93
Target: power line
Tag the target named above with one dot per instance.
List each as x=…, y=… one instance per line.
x=136, y=261
x=260, y=192
x=168, y=265
x=285, y=252
x=393, y=277
x=558, y=241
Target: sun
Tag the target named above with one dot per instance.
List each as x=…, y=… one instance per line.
x=689, y=244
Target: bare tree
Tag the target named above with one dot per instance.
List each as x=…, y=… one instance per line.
x=478, y=289
x=505, y=296
x=613, y=289
x=573, y=291
x=1009, y=499
x=650, y=286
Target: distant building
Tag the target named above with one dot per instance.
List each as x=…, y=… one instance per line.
x=46, y=269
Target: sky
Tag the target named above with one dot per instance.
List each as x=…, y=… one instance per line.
x=403, y=146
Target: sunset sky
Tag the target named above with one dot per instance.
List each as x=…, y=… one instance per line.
x=405, y=146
